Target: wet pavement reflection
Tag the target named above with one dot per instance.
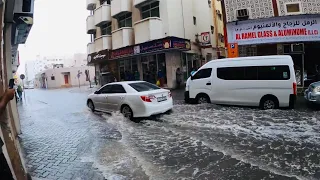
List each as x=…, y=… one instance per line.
x=192, y=142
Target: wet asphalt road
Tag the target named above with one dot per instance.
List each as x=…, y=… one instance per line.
x=63, y=139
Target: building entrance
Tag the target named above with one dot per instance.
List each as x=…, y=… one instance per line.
x=154, y=69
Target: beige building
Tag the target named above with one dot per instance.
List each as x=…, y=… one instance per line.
x=65, y=77
x=272, y=27
x=219, y=28
x=148, y=37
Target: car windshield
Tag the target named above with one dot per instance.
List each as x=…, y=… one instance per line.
x=143, y=86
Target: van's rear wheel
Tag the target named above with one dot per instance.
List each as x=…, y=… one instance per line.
x=203, y=99
x=269, y=102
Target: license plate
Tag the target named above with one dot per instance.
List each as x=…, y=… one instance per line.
x=163, y=98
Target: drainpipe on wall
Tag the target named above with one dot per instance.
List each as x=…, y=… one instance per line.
x=224, y=23
x=213, y=4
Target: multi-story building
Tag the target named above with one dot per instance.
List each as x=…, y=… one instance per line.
x=30, y=72
x=16, y=22
x=219, y=30
x=272, y=27
x=150, y=37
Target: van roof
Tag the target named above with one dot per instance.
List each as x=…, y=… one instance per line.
x=251, y=58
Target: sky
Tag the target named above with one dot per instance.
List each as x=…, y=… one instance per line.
x=59, y=29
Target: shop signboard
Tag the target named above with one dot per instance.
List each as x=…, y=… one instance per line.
x=99, y=56
x=275, y=30
x=169, y=43
x=123, y=52
x=205, y=39
x=181, y=44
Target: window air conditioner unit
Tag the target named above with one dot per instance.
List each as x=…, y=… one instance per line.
x=243, y=14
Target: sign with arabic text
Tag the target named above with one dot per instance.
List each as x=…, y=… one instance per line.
x=168, y=43
x=275, y=30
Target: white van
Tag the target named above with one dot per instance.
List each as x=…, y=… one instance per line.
x=265, y=81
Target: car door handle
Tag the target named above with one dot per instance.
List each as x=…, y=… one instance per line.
x=208, y=84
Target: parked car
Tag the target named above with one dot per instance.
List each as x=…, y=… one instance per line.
x=133, y=99
x=312, y=94
x=265, y=81
x=30, y=86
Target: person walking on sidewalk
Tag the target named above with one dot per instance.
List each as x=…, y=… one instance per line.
x=5, y=172
x=179, y=77
x=20, y=90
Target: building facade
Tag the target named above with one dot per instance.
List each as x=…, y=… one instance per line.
x=219, y=28
x=147, y=39
x=16, y=23
x=65, y=77
x=274, y=27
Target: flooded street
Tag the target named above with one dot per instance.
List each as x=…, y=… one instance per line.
x=193, y=142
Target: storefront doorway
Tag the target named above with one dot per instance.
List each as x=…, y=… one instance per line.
x=298, y=62
x=128, y=70
x=190, y=62
x=154, y=68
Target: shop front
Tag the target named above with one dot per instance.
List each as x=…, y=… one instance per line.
x=152, y=61
x=105, y=71
x=297, y=36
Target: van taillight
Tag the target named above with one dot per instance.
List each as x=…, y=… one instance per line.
x=294, y=86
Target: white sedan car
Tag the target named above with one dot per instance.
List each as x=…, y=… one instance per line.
x=133, y=99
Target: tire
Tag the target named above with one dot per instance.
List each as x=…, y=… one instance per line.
x=202, y=99
x=127, y=112
x=91, y=105
x=269, y=102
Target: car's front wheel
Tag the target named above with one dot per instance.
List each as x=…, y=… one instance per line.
x=127, y=112
x=91, y=105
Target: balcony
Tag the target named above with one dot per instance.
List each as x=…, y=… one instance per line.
x=119, y=7
x=103, y=42
x=123, y=36
x=102, y=15
x=148, y=29
x=90, y=48
x=91, y=5
x=91, y=27
x=138, y=3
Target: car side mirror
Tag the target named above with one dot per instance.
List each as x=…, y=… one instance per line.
x=192, y=77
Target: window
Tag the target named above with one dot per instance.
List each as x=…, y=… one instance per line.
x=53, y=78
x=105, y=1
x=150, y=10
x=117, y=88
x=106, y=29
x=273, y=73
x=254, y=73
x=231, y=73
x=194, y=20
x=105, y=90
x=243, y=14
x=293, y=8
x=203, y=73
x=143, y=86
x=219, y=14
x=212, y=29
x=125, y=20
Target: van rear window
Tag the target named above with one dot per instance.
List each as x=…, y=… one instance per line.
x=281, y=72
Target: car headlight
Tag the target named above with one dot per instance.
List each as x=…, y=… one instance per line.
x=316, y=89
